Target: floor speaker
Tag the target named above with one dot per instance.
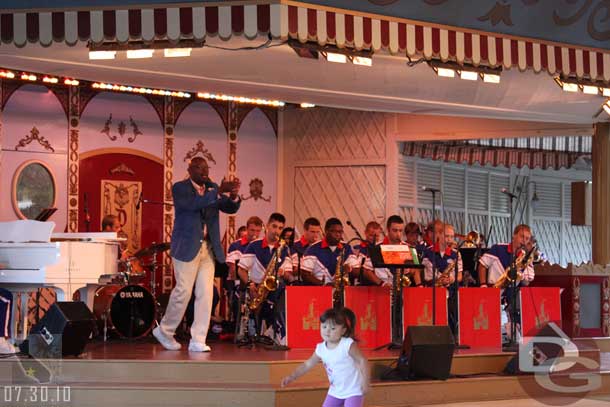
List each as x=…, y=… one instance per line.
x=429, y=351
x=63, y=331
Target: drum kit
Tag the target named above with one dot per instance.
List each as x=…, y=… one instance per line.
x=126, y=304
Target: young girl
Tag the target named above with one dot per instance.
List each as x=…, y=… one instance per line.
x=345, y=365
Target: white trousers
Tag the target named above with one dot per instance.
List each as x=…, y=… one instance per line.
x=200, y=273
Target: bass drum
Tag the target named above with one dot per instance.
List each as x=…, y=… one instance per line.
x=129, y=310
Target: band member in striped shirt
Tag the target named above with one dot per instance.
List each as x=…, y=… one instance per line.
x=312, y=232
x=320, y=260
x=252, y=230
x=442, y=255
x=253, y=266
x=499, y=257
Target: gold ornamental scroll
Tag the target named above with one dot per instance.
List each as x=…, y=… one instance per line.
x=120, y=198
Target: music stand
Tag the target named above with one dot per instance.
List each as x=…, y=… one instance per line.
x=395, y=258
x=45, y=214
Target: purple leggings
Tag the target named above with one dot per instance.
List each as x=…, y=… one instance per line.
x=354, y=401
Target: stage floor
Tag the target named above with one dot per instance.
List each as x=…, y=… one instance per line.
x=141, y=372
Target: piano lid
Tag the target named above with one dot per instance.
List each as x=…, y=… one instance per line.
x=26, y=231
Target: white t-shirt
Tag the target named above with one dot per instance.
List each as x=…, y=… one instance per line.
x=344, y=377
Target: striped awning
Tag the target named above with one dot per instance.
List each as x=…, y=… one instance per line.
x=287, y=19
x=495, y=156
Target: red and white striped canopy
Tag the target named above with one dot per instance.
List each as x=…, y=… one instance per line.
x=305, y=23
x=496, y=156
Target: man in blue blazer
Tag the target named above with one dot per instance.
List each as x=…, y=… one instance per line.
x=195, y=244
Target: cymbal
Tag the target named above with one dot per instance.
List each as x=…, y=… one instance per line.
x=152, y=249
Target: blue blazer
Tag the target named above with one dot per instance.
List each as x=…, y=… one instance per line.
x=192, y=211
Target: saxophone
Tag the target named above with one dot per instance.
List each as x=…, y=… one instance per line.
x=340, y=279
x=523, y=261
x=269, y=282
x=446, y=274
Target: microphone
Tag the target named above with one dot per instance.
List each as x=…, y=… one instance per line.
x=425, y=188
x=354, y=229
x=508, y=193
x=139, y=202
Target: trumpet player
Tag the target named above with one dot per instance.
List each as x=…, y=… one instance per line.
x=494, y=263
x=383, y=276
x=320, y=259
x=253, y=269
x=443, y=257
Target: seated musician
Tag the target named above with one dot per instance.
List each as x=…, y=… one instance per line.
x=6, y=303
x=252, y=230
x=254, y=268
x=241, y=232
x=442, y=256
x=435, y=225
x=311, y=233
x=494, y=263
x=320, y=260
x=412, y=235
x=111, y=223
x=383, y=276
x=372, y=231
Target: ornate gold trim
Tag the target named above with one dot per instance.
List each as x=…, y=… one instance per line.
x=199, y=148
x=121, y=150
x=122, y=168
x=16, y=177
x=34, y=136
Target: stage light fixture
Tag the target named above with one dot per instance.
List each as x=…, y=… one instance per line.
x=7, y=75
x=334, y=57
x=444, y=72
x=331, y=53
x=140, y=53
x=364, y=61
x=97, y=55
x=490, y=78
x=28, y=77
x=469, y=75
x=240, y=99
x=590, y=90
x=306, y=105
x=177, y=52
x=606, y=107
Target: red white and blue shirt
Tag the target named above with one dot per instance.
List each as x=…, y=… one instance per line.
x=498, y=258
x=441, y=261
x=236, y=249
x=257, y=256
x=321, y=259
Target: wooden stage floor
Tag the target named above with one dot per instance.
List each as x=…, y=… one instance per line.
x=142, y=373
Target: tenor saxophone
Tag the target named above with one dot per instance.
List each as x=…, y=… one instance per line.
x=269, y=282
x=340, y=279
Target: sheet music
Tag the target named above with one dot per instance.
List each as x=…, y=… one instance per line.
x=26, y=231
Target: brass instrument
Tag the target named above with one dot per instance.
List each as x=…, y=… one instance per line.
x=523, y=261
x=340, y=279
x=269, y=282
x=446, y=274
x=473, y=239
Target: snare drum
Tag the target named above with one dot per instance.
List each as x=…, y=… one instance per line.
x=129, y=310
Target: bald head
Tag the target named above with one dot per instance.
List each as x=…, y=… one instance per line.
x=199, y=170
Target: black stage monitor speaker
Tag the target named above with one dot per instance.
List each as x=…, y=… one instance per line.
x=541, y=351
x=429, y=350
x=64, y=330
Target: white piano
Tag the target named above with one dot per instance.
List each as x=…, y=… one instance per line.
x=33, y=258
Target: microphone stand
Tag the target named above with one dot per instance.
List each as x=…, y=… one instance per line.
x=512, y=343
x=433, y=256
x=87, y=215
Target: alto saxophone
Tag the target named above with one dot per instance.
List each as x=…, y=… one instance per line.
x=269, y=282
x=523, y=261
x=446, y=273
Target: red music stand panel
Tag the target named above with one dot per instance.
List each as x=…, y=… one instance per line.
x=304, y=305
x=417, y=308
x=479, y=317
x=373, y=314
x=539, y=306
